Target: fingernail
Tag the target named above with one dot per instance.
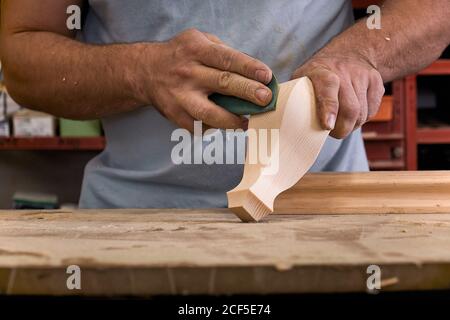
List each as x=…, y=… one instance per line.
x=331, y=121
x=263, y=95
x=262, y=76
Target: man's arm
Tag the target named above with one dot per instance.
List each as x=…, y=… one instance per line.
x=46, y=69
x=348, y=73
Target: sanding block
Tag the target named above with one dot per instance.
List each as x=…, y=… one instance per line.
x=243, y=107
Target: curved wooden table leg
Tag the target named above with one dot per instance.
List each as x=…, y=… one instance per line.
x=294, y=138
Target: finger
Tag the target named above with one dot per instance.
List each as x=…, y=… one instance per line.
x=201, y=108
x=181, y=118
x=326, y=88
x=349, y=111
x=213, y=38
x=233, y=84
x=300, y=72
x=222, y=57
x=360, y=88
x=375, y=93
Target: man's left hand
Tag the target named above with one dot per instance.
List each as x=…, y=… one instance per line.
x=348, y=91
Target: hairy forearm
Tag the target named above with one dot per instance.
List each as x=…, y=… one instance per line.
x=413, y=34
x=49, y=72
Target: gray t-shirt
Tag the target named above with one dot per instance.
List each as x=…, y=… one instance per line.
x=136, y=170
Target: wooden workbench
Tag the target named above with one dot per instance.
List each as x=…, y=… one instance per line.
x=157, y=252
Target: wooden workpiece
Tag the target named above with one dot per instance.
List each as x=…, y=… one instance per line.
x=166, y=252
x=299, y=139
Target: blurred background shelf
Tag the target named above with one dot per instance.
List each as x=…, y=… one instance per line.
x=53, y=143
x=363, y=4
x=433, y=135
x=427, y=97
x=387, y=165
x=440, y=67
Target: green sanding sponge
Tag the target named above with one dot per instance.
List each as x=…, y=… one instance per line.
x=243, y=107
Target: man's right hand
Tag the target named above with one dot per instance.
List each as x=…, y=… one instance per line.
x=177, y=77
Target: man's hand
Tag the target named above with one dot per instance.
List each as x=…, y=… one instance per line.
x=348, y=73
x=188, y=68
x=348, y=91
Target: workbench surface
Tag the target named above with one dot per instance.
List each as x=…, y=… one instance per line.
x=154, y=252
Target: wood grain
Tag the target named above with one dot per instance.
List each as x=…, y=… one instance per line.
x=368, y=192
x=291, y=154
x=154, y=252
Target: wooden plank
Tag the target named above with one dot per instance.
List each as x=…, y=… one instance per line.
x=368, y=192
x=153, y=252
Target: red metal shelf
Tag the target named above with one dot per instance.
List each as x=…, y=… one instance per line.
x=415, y=134
x=433, y=135
x=363, y=4
x=53, y=143
x=387, y=165
x=374, y=136
x=439, y=67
